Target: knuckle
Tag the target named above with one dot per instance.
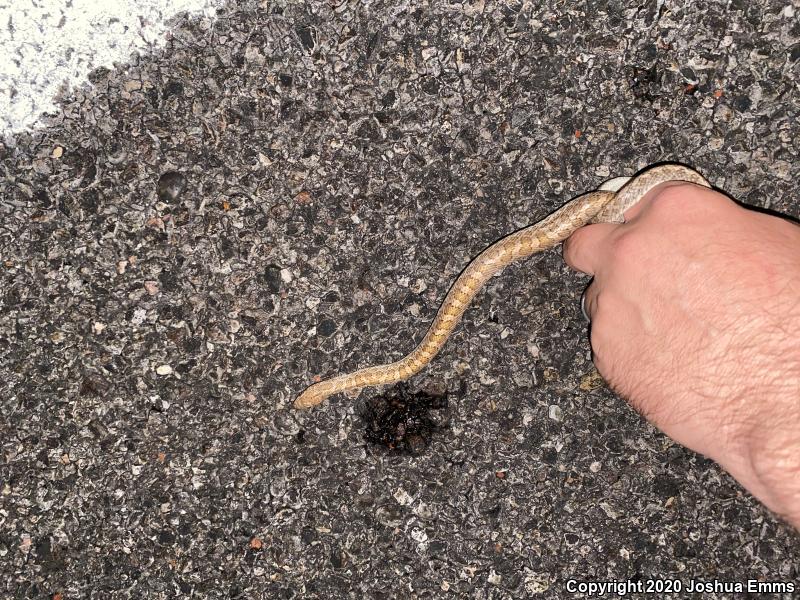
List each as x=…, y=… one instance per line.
x=625, y=247
x=672, y=200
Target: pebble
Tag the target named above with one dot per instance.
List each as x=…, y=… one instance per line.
x=170, y=186
x=403, y=497
x=272, y=277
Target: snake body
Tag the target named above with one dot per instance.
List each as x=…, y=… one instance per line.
x=606, y=205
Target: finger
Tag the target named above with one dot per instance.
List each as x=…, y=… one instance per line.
x=583, y=249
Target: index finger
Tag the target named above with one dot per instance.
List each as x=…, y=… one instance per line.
x=584, y=249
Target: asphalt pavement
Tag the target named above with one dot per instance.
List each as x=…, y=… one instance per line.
x=286, y=191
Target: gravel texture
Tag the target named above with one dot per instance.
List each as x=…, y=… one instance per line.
x=289, y=192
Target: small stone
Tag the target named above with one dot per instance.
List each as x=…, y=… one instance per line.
x=170, y=186
x=139, y=315
x=155, y=223
x=58, y=152
x=537, y=583
x=419, y=286
x=331, y=297
x=419, y=535
x=591, y=381
x=151, y=287
x=326, y=327
x=164, y=370
x=307, y=36
x=338, y=559
x=428, y=53
x=415, y=443
x=423, y=510
x=173, y=88
x=595, y=466
x=555, y=413
x=303, y=197
x=602, y=171
x=403, y=497
x=285, y=424
x=612, y=514
x=286, y=276
x=689, y=75
x=272, y=276
x=550, y=374
x=742, y=103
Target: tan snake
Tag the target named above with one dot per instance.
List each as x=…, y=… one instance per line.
x=606, y=205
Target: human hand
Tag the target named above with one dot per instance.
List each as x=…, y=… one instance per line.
x=695, y=316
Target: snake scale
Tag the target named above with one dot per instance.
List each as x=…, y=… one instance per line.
x=605, y=205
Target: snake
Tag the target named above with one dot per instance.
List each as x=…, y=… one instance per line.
x=607, y=204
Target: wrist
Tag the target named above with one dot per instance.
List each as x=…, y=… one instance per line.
x=774, y=454
x=768, y=459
